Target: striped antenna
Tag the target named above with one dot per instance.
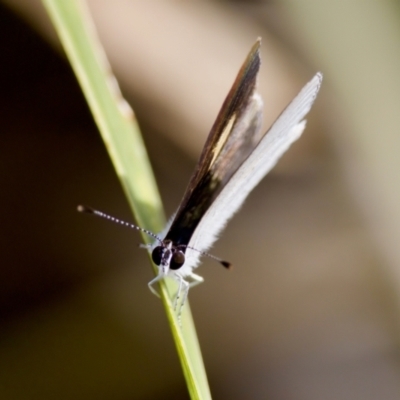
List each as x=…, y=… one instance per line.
x=97, y=213
x=226, y=264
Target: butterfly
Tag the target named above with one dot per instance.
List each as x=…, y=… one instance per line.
x=235, y=158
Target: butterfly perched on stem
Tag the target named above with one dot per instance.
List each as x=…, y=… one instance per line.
x=235, y=157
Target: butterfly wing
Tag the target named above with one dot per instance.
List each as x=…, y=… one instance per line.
x=235, y=133
x=285, y=130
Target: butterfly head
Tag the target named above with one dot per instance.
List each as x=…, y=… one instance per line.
x=168, y=255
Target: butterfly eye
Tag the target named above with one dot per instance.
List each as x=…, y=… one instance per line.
x=156, y=255
x=178, y=260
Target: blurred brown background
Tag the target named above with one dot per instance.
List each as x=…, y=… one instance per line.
x=311, y=309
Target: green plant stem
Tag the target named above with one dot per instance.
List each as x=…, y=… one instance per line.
x=121, y=136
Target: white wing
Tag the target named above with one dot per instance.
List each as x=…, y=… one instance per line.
x=284, y=131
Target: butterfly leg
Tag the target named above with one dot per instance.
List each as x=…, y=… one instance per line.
x=178, y=293
x=145, y=246
x=196, y=279
x=161, y=275
x=184, y=290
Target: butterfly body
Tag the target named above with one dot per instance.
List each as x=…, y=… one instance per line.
x=236, y=156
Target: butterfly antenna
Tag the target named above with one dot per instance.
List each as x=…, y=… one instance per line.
x=226, y=264
x=97, y=213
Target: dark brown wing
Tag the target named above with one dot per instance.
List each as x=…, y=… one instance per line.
x=233, y=136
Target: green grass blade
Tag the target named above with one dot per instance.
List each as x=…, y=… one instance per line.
x=121, y=135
